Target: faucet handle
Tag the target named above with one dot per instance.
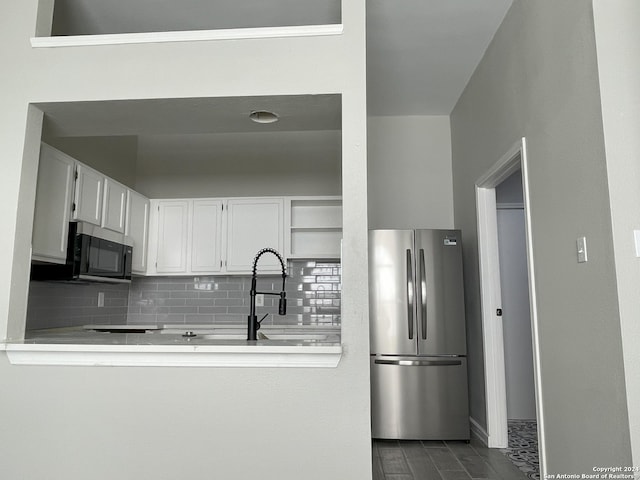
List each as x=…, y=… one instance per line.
x=260, y=321
x=282, y=304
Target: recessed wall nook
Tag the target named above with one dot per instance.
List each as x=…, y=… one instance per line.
x=88, y=22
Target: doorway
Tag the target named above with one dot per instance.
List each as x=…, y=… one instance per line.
x=514, y=286
x=496, y=353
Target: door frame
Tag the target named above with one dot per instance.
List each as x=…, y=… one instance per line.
x=490, y=296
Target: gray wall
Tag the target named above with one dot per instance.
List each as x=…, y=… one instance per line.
x=617, y=40
x=165, y=423
x=280, y=163
x=409, y=175
x=539, y=79
x=510, y=190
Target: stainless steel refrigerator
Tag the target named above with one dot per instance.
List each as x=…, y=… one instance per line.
x=418, y=341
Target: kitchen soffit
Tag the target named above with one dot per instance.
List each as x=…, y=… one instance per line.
x=180, y=116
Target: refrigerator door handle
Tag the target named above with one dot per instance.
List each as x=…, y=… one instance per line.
x=410, y=293
x=423, y=295
x=417, y=363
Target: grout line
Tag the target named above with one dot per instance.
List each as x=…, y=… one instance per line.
x=480, y=452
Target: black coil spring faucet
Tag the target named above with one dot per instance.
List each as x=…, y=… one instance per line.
x=253, y=325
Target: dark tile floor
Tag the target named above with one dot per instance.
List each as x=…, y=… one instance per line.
x=423, y=460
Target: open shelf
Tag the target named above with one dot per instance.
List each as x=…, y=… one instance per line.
x=315, y=213
x=311, y=229
x=315, y=229
x=312, y=243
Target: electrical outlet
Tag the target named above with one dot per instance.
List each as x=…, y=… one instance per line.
x=100, y=299
x=259, y=300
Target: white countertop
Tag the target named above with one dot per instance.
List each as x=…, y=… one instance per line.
x=79, y=346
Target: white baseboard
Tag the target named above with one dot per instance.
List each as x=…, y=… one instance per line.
x=479, y=432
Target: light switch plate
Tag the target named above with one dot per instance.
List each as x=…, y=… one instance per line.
x=259, y=300
x=636, y=237
x=100, y=299
x=581, y=245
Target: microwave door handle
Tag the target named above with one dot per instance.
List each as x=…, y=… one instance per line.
x=128, y=261
x=87, y=265
x=423, y=295
x=410, y=293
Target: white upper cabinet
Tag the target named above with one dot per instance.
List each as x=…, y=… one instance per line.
x=206, y=236
x=88, y=195
x=137, y=228
x=186, y=236
x=172, y=236
x=114, y=209
x=54, y=192
x=254, y=224
x=211, y=236
x=68, y=190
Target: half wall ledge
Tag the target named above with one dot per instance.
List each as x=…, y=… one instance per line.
x=265, y=356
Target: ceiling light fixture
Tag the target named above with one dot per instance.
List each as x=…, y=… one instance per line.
x=263, y=116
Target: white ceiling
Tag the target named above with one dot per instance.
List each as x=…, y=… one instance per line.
x=420, y=56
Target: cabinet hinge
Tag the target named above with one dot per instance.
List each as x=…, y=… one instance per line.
x=73, y=207
x=75, y=175
x=223, y=207
x=220, y=263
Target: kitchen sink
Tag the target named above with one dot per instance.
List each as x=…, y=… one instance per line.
x=269, y=332
x=223, y=336
x=271, y=336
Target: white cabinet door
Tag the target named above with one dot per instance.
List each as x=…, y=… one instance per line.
x=54, y=192
x=88, y=197
x=114, y=206
x=138, y=229
x=206, y=236
x=173, y=241
x=254, y=224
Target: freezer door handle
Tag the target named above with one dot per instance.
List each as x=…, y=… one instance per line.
x=423, y=296
x=410, y=293
x=417, y=363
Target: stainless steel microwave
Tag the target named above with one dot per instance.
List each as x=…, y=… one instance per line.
x=93, y=255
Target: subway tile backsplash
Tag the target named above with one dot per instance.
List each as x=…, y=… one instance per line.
x=313, y=297
x=54, y=304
